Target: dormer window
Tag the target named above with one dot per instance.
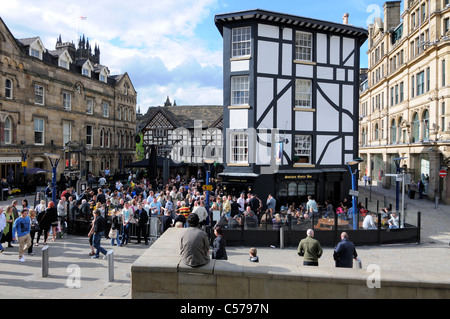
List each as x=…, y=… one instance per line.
x=36, y=47
x=64, y=60
x=86, y=72
x=87, y=68
x=35, y=53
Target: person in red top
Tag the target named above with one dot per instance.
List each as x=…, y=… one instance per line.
x=184, y=210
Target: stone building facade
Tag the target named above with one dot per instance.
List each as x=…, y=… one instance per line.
x=52, y=101
x=405, y=101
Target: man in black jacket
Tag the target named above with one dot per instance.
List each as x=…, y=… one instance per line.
x=142, y=219
x=345, y=252
x=99, y=232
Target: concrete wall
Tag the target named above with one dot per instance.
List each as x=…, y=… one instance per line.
x=160, y=273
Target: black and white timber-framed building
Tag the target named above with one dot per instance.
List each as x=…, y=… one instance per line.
x=291, y=93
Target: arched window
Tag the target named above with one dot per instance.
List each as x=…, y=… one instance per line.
x=426, y=125
x=8, y=130
x=102, y=138
x=415, y=128
x=393, y=132
x=8, y=89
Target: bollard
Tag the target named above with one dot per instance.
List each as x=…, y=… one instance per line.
x=110, y=257
x=45, y=261
x=281, y=238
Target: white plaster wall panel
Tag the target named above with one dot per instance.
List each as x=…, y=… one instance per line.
x=349, y=143
x=281, y=85
x=350, y=76
x=238, y=66
x=262, y=151
x=304, y=121
x=287, y=148
x=340, y=74
x=265, y=94
x=267, y=57
x=328, y=116
x=267, y=122
x=335, y=50
x=350, y=62
x=325, y=73
x=287, y=59
x=348, y=45
x=347, y=123
x=238, y=119
x=347, y=97
x=287, y=34
x=322, y=48
x=332, y=155
x=284, y=110
x=304, y=71
x=269, y=31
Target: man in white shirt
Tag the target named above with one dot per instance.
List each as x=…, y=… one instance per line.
x=241, y=202
x=201, y=212
x=368, y=222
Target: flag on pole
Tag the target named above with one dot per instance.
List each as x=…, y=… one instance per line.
x=83, y=18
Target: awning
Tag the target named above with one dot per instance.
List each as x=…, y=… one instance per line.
x=36, y=170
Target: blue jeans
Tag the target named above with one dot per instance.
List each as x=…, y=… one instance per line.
x=126, y=234
x=96, y=240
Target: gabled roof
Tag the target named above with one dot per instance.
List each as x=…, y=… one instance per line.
x=184, y=116
x=291, y=21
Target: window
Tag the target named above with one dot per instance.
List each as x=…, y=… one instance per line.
x=240, y=90
x=35, y=53
x=443, y=72
x=8, y=130
x=39, y=131
x=89, y=106
x=420, y=84
x=412, y=86
x=426, y=125
x=401, y=92
x=443, y=117
x=67, y=101
x=38, y=94
x=303, y=93
x=67, y=133
x=89, y=134
x=86, y=72
x=393, y=132
x=302, y=149
x=129, y=115
x=102, y=78
x=8, y=89
x=446, y=25
x=428, y=79
x=241, y=42
x=303, y=46
x=376, y=132
x=415, y=128
x=105, y=109
x=239, y=148
x=63, y=64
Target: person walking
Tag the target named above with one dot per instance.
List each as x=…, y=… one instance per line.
x=7, y=230
x=2, y=225
x=310, y=249
x=52, y=214
x=99, y=232
x=345, y=252
x=22, y=226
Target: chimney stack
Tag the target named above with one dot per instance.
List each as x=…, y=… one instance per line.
x=345, y=18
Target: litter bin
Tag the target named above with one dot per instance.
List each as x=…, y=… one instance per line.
x=412, y=194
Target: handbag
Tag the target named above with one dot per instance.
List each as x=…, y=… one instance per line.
x=113, y=233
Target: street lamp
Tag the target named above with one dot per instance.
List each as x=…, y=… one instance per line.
x=397, y=186
x=354, y=192
x=54, y=161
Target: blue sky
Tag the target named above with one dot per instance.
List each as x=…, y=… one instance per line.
x=168, y=47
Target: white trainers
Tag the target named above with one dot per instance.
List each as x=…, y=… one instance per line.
x=22, y=259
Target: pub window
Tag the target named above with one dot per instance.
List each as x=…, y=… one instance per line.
x=303, y=93
x=303, y=46
x=292, y=189
x=239, y=148
x=241, y=42
x=282, y=191
x=8, y=130
x=302, y=149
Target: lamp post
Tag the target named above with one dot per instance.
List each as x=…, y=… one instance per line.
x=54, y=161
x=208, y=162
x=397, y=186
x=354, y=192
